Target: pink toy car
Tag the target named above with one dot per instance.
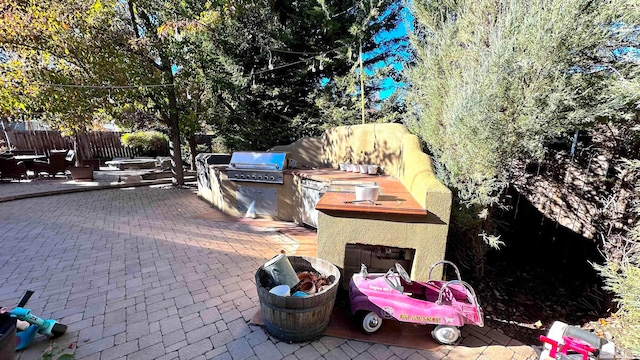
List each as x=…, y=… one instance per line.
x=449, y=304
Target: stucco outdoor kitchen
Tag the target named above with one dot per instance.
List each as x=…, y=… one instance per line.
x=302, y=183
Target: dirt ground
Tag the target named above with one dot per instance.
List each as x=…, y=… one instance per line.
x=524, y=301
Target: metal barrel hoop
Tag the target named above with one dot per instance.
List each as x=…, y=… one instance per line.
x=445, y=262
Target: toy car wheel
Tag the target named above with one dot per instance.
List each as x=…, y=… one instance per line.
x=446, y=335
x=369, y=322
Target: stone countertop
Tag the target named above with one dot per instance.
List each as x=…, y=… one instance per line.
x=394, y=198
x=327, y=175
x=126, y=163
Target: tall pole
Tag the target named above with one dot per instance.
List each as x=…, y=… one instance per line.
x=6, y=135
x=361, y=82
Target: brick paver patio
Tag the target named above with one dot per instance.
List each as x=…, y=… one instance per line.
x=138, y=274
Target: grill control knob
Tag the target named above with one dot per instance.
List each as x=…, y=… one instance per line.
x=272, y=178
x=259, y=177
x=236, y=175
x=242, y=176
x=253, y=177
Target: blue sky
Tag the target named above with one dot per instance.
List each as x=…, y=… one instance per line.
x=628, y=54
x=389, y=86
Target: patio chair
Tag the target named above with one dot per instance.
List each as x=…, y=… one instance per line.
x=70, y=159
x=11, y=169
x=55, y=164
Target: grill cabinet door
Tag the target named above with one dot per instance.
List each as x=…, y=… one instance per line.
x=264, y=200
x=311, y=194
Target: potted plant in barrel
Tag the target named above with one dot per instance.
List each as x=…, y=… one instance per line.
x=81, y=172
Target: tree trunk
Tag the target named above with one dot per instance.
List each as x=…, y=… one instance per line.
x=165, y=67
x=174, y=139
x=5, y=125
x=192, y=150
x=76, y=158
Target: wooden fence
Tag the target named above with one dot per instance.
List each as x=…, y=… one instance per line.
x=104, y=145
x=36, y=140
x=92, y=145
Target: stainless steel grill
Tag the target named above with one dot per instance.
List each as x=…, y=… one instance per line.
x=255, y=166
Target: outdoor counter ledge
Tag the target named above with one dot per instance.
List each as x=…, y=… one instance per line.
x=394, y=197
x=393, y=200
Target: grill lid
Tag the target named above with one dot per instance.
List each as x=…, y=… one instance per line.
x=255, y=160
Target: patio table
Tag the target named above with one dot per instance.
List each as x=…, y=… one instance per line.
x=28, y=160
x=29, y=157
x=140, y=163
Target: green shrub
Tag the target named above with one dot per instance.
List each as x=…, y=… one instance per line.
x=218, y=146
x=621, y=272
x=493, y=81
x=623, y=278
x=148, y=143
x=202, y=148
x=185, y=151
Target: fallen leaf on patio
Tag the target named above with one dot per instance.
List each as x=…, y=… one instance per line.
x=538, y=324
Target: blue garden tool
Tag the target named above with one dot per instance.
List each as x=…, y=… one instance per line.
x=50, y=327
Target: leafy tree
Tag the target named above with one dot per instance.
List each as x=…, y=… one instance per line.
x=492, y=81
x=48, y=42
x=259, y=73
x=249, y=69
x=156, y=56
x=340, y=101
x=90, y=47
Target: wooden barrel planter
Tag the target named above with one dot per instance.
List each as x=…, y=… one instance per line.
x=293, y=318
x=92, y=163
x=81, y=172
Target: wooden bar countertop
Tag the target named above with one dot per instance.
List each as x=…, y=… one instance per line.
x=394, y=198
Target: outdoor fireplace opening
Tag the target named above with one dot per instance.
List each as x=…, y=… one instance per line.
x=377, y=258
